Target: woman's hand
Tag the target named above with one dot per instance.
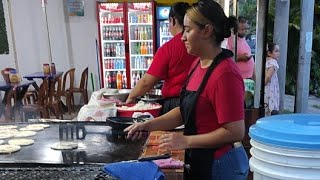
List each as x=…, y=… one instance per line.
x=136, y=131
x=130, y=100
x=173, y=141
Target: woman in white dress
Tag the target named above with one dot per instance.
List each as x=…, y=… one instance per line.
x=271, y=90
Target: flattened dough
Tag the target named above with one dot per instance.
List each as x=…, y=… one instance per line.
x=63, y=145
x=32, y=128
x=7, y=133
x=7, y=149
x=39, y=125
x=25, y=134
x=21, y=142
x=8, y=127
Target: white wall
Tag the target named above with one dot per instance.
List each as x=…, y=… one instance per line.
x=72, y=38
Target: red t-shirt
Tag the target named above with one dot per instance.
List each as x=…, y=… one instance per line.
x=221, y=100
x=246, y=68
x=171, y=63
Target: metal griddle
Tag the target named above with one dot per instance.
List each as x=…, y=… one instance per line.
x=98, y=145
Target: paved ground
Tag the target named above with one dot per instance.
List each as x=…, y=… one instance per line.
x=313, y=105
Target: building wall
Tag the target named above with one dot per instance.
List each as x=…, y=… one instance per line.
x=73, y=39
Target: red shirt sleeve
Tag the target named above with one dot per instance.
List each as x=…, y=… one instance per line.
x=229, y=95
x=160, y=63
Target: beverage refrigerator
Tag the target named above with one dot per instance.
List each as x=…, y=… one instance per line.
x=163, y=33
x=126, y=41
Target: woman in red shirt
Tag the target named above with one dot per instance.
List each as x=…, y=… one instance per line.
x=211, y=105
x=171, y=64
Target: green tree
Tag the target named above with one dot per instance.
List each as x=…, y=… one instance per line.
x=4, y=46
x=248, y=8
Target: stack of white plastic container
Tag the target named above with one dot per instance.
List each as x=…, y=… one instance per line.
x=286, y=147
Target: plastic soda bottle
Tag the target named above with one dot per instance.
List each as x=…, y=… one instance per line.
x=119, y=80
x=124, y=80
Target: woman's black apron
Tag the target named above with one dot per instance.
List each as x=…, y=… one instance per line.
x=198, y=161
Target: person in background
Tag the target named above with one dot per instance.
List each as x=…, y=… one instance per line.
x=271, y=89
x=171, y=64
x=244, y=59
x=211, y=102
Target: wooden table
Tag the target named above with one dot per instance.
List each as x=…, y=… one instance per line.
x=41, y=75
x=152, y=149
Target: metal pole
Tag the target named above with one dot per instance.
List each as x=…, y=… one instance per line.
x=235, y=41
x=44, y=7
x=14, y=49
x=304, y=62
x=262, y=16
x=280, y=37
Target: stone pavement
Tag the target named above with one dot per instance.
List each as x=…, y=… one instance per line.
x=313, y=105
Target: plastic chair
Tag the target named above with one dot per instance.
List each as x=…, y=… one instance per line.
x=54, y=102
x=67, y=92
x=41, y=104
x=83, y=86
x=9, y=110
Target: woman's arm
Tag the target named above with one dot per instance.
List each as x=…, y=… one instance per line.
x=144, y=85
x=167, y=121
x=230, y=132
x=269, y=74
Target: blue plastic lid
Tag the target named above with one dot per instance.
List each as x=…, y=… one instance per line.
x=294, y=131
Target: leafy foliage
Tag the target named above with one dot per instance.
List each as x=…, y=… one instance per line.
x=249, y=6
x=4, y=46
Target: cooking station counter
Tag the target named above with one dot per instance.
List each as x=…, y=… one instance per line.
x=97, y=145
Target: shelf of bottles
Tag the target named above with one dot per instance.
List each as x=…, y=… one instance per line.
x=140, y=40
x=165, y=34
x=113, y=48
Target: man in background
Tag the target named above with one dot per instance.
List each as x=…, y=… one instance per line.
x=244, y=59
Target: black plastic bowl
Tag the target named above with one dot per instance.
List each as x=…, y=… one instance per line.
x=121, y=123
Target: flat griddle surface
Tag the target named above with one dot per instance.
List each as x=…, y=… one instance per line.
x=94, y=141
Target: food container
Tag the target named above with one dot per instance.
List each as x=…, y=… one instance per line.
x=154, y=111
x=121, y=123
x=121, y=94
x=46, y=68
x=153, y=96
x=14, y=77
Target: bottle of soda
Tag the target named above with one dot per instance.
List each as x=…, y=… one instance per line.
x=114, y=54
x=124, y=80
x=107, y=51
x=119, y=80
x=137, y=77
x=137, y=62
x=114, y=80
x=104, y=33
x=122, y=50
x=136, y=33
x=118, y=50
x=109, y=80
x=133, y=80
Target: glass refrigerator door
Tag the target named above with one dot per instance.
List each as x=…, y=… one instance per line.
x=164, y=34
x=111, y=17
x=141, y=40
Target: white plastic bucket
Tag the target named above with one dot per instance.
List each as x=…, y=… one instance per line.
x=273, y=163
x=286, y=147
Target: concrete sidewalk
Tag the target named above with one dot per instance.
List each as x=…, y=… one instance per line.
x=313, y=104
